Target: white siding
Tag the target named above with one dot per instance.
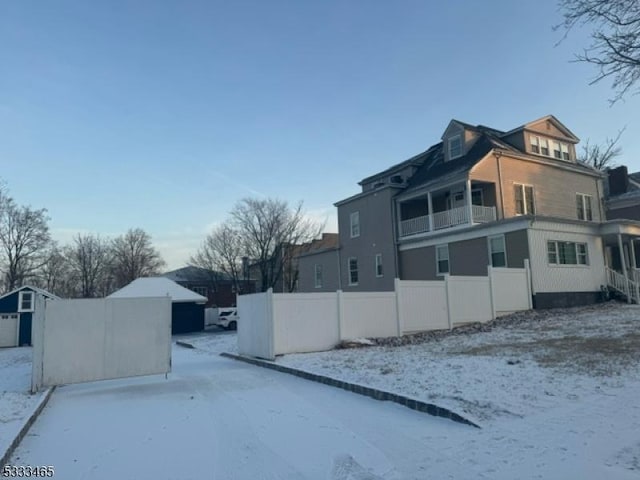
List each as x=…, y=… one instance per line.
x=565, y=278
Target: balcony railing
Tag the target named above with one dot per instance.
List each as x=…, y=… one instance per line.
x=447, y=219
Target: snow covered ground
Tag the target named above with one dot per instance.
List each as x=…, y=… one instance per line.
x=16, y=403
x=557, y=394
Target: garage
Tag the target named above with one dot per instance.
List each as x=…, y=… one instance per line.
x=9, y=329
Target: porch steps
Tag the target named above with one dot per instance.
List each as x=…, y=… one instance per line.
x=629, y=289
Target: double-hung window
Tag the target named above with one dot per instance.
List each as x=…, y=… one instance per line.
x=497, y=251
x=455, y=147
x=355, y=224
x=583, y=207
x=353, y=271
x=535, y=144
x=26, y=301
x=317, y=276
x=544, y=147
x=524, y=199
x=442, y=259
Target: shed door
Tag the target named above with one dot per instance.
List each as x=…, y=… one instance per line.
x=8, y=329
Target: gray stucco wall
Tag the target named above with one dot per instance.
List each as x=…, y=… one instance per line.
x=418, y=264
x=306, y=267
x=469, y=257
x=376, y=237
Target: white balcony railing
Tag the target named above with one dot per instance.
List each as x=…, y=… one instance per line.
x=447, y=219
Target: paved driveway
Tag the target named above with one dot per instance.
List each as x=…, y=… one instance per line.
x=215, y=418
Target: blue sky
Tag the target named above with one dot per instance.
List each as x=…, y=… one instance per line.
x=162, y=114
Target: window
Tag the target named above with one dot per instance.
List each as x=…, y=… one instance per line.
x=317, y=275
x=535, y=144
x=567, y=253
x=544, y=147
x=442, y=259
x=497, y=251
x=455, y=147
x=355, y=224
x=524, y=199
x=583, y=207
x=353, y=271
x=25, y=301
x=379, y=272
x=476, y=197
x=200, y=290
x=556, y=150
x=565, y=151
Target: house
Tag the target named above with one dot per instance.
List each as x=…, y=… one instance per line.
x=481, y=197
x=16, y=314
x=623, y=194
x=218, y=287
x=187, y=307
x=319, y=269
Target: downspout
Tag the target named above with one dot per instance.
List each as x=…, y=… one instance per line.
x=394, y=230
x=600, y=201
x=498, y=154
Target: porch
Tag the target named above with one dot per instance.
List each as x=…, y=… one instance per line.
x=463, y=204
x=622, y=258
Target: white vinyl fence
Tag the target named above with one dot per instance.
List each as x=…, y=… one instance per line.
x=275, y=324
x=96, y=339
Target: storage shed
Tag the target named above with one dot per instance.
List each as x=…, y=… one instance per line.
x=16, y=313
x=187, y=307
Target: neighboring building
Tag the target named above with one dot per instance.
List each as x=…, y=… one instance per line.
x=217, y=287
x=484, y=197
x=623, y=194
x=187, y=307
x=319, y=265
x=16, y=314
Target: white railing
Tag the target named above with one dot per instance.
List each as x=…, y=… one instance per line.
x=447, y=219
x=483, y=214
x=414, y=225
x=450, y=218
x=622, y=284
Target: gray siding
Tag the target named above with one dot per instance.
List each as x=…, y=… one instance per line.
x=418, y=264
x=629, y=213
x=517, y=245
x=306, y=267
x=469, y=257
x=376, y=237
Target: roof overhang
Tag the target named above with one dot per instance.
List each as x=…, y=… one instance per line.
x=620, y=227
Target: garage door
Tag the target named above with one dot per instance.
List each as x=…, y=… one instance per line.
x=8, y=329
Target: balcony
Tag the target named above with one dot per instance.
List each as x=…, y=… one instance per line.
x=447, y=219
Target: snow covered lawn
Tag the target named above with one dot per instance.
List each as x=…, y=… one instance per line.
x=16, y=403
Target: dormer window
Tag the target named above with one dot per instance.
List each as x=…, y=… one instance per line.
x=540, y=146
x=556, y=150
x=455, y=147
x=535, y=144
x=544, y=147
x=565, y=151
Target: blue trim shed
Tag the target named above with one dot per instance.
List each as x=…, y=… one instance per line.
x=16, y=314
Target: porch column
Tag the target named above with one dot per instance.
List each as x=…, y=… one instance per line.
x=399, y=218
x=624, y=268
x=430, y=209
x=632, y=254
x=469, y=202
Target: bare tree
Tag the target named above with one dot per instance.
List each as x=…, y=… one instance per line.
x=615, y=46
x=24, y=235
x=89, y=260
x=221, y=252
x=270, y=230
x=54, y=275
x=602, y=156
x=134, y=256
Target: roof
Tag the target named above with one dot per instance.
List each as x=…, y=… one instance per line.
x=191, y=273
x=158, y=287
x=329, y=241
x=35, y=289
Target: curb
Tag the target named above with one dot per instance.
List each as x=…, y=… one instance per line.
x=412, y=403
x=184, y=344
x=25, y=428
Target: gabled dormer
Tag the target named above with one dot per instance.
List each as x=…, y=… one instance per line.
x=457, y=139
x=546, y=137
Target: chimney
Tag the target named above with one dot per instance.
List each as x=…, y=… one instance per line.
x=618, y=181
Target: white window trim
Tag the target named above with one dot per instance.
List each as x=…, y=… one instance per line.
x=378, y=263
x=352, y=223
x=451, y=140
x=317, y=268
x=584, y=206
x=438, y=272
x=33, y=302
x=538, y=141
x=568, y=265
x=524, y=198
x=349, y=270
x=504, y=244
